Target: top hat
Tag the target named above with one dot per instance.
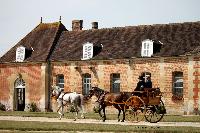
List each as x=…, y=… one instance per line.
x=140, y=78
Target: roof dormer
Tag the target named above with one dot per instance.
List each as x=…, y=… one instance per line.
x=147, y=48
x=150, y=47
x=87, y=51
x=23, y=53
x=91, y=50
x=20, y=54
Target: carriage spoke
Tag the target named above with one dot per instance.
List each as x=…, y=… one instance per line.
x=135, y=109
x=154, y=113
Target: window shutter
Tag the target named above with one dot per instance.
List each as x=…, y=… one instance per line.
x=87, y=51
x=20, y=54
x=147, y=48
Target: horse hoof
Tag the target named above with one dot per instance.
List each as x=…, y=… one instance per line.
x=119, y=120
x=83, y=117
x=74, y=119
x=122, y=121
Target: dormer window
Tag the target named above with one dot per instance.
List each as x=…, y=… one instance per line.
x=87, y=51
x=150, y=47
x=147, y=48
x=20, y=54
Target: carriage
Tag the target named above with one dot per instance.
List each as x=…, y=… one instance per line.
x=135, y=105
x=147, y=103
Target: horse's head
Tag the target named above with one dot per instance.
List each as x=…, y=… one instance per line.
x=91, y=92
x=55, y=91
x=95, y=91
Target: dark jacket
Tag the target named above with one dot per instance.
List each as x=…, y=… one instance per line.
x=148, y=84
x=140, y=86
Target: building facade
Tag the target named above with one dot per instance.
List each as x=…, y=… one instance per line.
x=111, y=59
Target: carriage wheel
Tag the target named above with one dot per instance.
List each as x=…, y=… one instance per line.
x=155, y=113
x=135, y=109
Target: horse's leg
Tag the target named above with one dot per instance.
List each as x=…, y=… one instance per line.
x=99, y=111
x=123, y=111
x=82, y=111
x=62, y=110
x=58, y=110
x=119, y=110
x=104, y=113
x=76, y=111
x=81, y=107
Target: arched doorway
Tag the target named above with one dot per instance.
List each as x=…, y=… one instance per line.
x=19, y=94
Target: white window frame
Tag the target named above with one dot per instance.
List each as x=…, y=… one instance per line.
x=20, y=54
x=147, y=48
x=86, y=83
x=177, y=90
x=87, y=51
x=60, y=81
x=115, y=81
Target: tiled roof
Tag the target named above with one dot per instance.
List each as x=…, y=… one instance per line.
x=125, y=42
x=42, y=39
x=52, y=41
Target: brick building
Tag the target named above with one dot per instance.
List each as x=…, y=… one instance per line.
x=110, y=58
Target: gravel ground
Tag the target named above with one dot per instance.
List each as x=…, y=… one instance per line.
x=44, y=119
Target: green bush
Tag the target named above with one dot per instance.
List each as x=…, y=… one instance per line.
x=32, y=107
x=96, y=109
x=2, y=107
x=71, y=108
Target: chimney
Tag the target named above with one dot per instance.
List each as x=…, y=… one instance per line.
x=77, y=25
x=94, y=25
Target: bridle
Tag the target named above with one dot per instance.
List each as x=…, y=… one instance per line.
x=57, y=95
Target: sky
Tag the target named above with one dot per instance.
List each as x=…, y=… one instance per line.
x=19, y=17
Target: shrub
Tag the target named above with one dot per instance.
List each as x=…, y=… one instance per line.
x=32, y=107
x=2, y=107
x=196, y=111
x=71, y=108
x=96, y=107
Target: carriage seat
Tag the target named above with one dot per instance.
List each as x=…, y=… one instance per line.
x=147, y=92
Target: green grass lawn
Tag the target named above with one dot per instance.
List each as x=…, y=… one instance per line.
x=23, y=126
x=50, y=126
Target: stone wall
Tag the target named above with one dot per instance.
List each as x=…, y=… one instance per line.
x=34, y=78
x=161, y=70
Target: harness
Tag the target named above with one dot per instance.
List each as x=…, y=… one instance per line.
x=102, y=96
x=61, y=99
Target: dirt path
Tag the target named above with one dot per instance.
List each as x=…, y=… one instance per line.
x=94, y=121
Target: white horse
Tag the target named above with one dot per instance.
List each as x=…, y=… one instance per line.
x=72, y=98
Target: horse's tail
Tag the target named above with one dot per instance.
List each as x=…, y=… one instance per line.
x=81, y=99
x=81, y=102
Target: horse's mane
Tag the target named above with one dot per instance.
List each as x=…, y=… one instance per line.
x=98, y=89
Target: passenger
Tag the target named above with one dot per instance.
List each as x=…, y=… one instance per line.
x=148, y=83
x=140, y=84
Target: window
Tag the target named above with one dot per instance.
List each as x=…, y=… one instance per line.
x=86, y=83
x=145, y=75
x=60, y=81
x=19, y=83
x=87, y=51
x=115, y=82
x=147, y=48
x=177, y=89
x=20, y=54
